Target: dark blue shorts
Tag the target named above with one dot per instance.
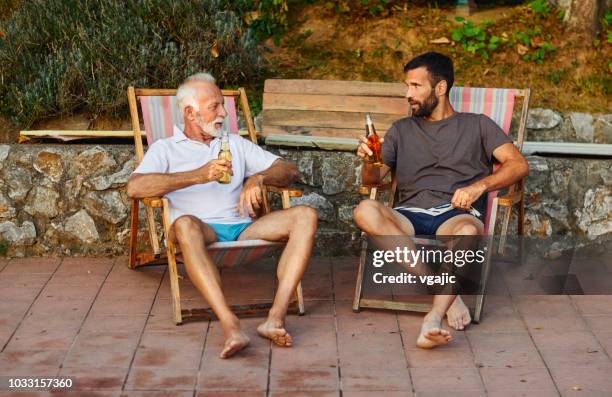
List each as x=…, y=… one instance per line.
x=425, y=224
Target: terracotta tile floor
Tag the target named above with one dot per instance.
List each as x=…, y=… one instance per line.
x=110, y=329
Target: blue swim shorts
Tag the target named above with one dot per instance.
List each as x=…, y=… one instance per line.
x=228, y=232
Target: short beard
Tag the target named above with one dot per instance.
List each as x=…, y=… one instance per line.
x=426, y=108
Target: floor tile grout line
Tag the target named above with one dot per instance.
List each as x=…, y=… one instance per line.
x=399, y=328
x=161, y=280
x=4, y=264
x=30, y=306
x=335, y=312
x=473, y=353
x=202, y=355
x=608, y=354
x=520, y=314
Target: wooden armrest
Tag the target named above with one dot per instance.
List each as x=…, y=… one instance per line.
x=510, y=199
x=292, y=191
x=365, y=189
x=154, y=202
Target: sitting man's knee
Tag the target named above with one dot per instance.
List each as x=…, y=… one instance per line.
x=305, y=214
x=364, y=210
x=466, y=229
x=186, y=226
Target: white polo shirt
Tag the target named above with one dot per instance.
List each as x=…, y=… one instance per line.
x=211, y=202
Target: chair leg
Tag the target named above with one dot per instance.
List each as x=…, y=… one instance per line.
x=478, y=309
x=133, y=234
x=174, y=285
x=504, y=230
x=359, y=281
x=152, y=230
x=300, y=299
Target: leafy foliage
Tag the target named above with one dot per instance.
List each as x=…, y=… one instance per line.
x=474, y=38
x=540, y=7
x=62, y=56
x=272, y=21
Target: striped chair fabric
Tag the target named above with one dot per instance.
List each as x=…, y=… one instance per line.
x=160, y=114
x=496, y=103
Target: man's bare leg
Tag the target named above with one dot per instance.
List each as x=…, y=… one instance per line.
x=191, y=235
x=458, y=315
x=432, y=334
x=376, y=219
x=298, y=226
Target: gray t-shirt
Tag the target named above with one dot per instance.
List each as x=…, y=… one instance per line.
x=432, y=159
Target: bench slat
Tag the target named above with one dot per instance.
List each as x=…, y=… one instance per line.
x=320, y=119
x=335, y=87
x=338, y=103
x=312, y=132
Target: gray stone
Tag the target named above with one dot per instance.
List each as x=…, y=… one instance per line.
x=325, y=209
x=81, y=227
x=537, y=225
x=50, y=164
x=6, y=209
x=19, y=183
x=92, y=162
x=583, y=126
x=537, y=163
x=108, y=206
x=42, y=201
x=345, y=213
x=118, y=179
x=542, y=119
x=18, y=235
x=558, y=213
x=603, y=129
x=4, y=152
x=595, y=218
x=338, y=173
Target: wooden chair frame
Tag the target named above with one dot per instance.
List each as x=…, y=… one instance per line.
x=168, y=256
x=514, y=196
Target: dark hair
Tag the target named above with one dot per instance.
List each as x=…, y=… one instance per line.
x=439, y=66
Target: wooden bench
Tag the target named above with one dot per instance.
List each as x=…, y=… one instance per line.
x=328, y=114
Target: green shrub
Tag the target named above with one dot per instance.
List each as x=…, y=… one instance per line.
x=4, y=247
x=474, y=38
x=62, y=56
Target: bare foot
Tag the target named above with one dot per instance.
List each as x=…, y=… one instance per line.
x=275, y=332
x=458, y=315
x=432, y=334
x=237, y=341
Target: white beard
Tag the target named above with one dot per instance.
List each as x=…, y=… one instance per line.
x=210, y=128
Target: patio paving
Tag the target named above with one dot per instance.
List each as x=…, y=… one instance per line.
x=110, y=329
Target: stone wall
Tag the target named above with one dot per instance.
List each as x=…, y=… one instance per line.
x=71, y=200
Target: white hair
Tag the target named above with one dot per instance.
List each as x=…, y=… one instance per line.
x=186, y=93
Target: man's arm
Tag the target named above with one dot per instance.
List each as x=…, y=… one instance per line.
x=158, y=184
x=513, y=168
x=281, y=173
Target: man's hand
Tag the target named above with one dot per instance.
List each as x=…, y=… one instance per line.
x=251, y=196
x=213, y=170
x=363, y=150
x=465, y=196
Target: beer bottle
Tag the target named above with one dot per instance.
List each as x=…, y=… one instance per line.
x=373, y=143
x=225, y=154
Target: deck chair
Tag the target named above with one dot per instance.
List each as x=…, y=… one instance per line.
x=159, y=114
x=498, y=104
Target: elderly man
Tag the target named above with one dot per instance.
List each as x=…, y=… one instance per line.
x=440, y=157
x=185, y=169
